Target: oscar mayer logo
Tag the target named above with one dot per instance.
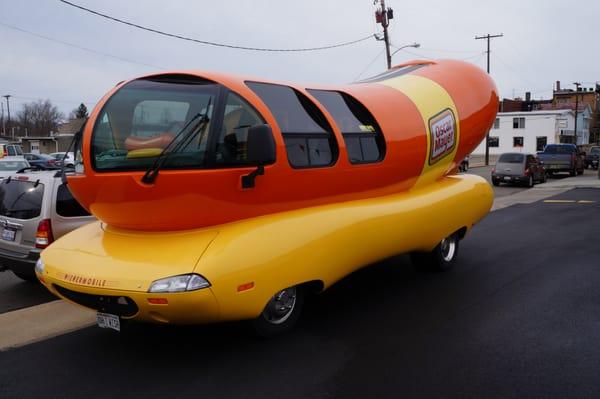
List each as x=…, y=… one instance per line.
x=442, y=131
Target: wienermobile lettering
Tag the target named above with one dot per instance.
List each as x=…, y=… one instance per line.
x=227, y=198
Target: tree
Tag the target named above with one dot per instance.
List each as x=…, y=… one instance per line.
x=79, y=112
x=39, y=118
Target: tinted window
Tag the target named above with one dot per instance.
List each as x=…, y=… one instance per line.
x=21, y=199
x=66, y=205
x=145, y=116
x=560, y=149
x=511, y=158
x=595, y=150
x=363, y=138
x=239, y=117
x=306, y=133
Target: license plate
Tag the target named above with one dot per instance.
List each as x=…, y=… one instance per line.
x=8, y=234
x=106, y=320
x=507, y=177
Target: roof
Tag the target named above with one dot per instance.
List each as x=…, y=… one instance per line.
x=536, y=113
x=71, y=127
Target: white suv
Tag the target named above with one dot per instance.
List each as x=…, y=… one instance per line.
x=35, y=208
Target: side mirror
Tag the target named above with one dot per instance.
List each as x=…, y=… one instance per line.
x=260, y=147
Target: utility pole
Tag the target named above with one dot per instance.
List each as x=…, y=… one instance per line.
x=7, y=96
x=3, y=121
x=487, y=136
x=383, y=16
x=577, y=85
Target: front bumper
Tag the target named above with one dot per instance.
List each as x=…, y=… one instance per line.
x=192, y=307
x=18, y=262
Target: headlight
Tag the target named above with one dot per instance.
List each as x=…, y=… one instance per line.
x=39, y=266
x=185, y=282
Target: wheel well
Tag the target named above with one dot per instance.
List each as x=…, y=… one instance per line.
x=461, y=233
x=313, y=287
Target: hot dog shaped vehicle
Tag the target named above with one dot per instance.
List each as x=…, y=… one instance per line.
x=229, y=198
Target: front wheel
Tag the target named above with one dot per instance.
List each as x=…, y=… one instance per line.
x=281, y=312
x=441, y=258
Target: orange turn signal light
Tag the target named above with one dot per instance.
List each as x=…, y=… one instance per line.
x=245, y=287
x=158, y=301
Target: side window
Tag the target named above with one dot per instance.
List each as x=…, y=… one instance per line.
x=308, y=138
x=363, y=137
x=238, y=118
x=66, y=205
x=11, y=150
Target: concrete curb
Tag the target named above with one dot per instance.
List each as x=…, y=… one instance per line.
x=37, y=323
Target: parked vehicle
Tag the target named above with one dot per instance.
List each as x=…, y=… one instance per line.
x=518, y=168
x=68, y=160
x=42, y=161
x=464, y=165
x=592, y=157
x=11, y=150
x=35, y=209
x=233, y=199
x=9, y=165
x=562, y=158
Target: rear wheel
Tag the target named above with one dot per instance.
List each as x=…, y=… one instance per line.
x=441, y=258
x=530, y=181
x=281, y=313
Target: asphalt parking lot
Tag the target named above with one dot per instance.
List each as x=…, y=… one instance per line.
x=518, y=317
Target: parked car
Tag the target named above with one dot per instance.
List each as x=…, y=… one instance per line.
x=562, y=158
x=11, y=150
x=592, y=158
x=518, y=168
x=464, y=165
x=42, y=161
x=35, y=209
x=69, y=160
x=9, y=165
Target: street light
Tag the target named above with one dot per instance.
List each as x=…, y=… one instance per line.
x=414, y=45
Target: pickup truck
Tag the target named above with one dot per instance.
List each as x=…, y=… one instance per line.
x=562, y=158
x=592, y=157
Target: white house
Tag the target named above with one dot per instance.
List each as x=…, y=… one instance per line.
x=531, y=131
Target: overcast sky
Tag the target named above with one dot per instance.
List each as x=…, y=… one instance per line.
x=544, y=41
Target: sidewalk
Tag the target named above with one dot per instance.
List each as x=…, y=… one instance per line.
x=549, y=189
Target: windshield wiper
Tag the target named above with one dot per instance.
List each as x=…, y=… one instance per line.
x=176, y=144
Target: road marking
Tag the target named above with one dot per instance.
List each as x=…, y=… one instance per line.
x=586, y=202
x=560, y=201
x=37, y=323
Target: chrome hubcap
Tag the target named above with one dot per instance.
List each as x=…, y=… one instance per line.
x=448, y=247
x=281, y=306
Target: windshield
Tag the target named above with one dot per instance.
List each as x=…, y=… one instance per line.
x=511, y=158
x=143, y=117
x=21, y=199
x=595, y=150
x=12, y=165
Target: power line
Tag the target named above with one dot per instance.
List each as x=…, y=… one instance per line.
x=78, y=47
x=368, y=66
x=209, y=43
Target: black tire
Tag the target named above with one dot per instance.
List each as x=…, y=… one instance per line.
x=31, y=277
x=442, y=258
x=530, y=183
x=495, y=183
x=580, y=172
x=275, y=321
x=573, y=172
x=544, y=177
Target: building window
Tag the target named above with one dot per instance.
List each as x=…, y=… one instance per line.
x=562, y=123
x=308, y=138
x=497, y=123
x=517, y=141
x=363, y=138
x=494, y=141
x=540, y=143
x=518, y=123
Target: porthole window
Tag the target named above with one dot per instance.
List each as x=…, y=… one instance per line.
x=308, y=138
x=363, y=137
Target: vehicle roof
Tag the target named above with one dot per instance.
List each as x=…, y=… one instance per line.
x=42, y=175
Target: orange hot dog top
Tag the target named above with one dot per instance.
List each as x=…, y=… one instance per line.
x=404, y=128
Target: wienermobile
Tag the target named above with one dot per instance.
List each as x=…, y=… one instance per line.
x=221, y=197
